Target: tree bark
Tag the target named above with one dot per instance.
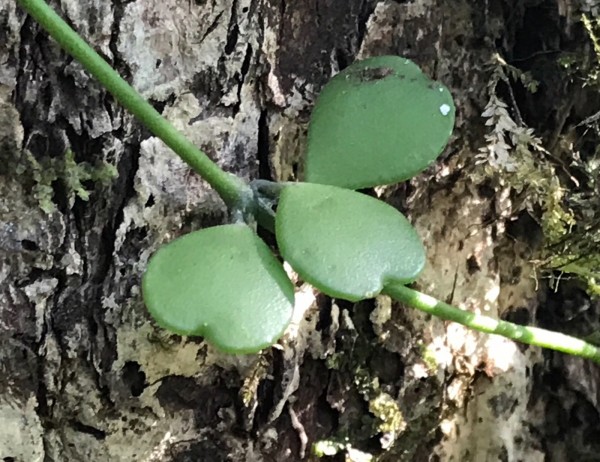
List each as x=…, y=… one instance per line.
x=87, y=376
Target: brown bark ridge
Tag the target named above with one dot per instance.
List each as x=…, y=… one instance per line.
x=86, y=376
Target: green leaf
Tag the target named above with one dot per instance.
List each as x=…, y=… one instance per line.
x=222, y=283
x=345, y=243
x=379, y=121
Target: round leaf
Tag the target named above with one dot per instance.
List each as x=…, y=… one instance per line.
x=379, y=121
x=222, y=283
x=345, y=243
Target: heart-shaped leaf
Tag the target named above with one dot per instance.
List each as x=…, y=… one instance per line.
x=222, y=283
x=379, y=121
x=345, y=243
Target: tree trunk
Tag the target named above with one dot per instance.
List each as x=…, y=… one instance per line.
x=87, y=376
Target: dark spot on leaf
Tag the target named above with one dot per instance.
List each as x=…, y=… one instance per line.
x=375, y=73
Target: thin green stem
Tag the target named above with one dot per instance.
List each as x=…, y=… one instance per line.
x=231, y=189
x=531, y=335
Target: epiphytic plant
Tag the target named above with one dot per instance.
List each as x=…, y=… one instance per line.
x=379, y=121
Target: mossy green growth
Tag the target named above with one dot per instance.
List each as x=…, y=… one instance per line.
x=328, y=448
x=70, y=172
x=74, y=174
x=585, y=264
x=385, y=408
x=429, y=357
x=388, y=416
x=571, y=234
x=592, y=27
x=43, y=175
x=332, y=447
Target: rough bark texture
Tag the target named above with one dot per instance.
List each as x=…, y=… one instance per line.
x=86, y=376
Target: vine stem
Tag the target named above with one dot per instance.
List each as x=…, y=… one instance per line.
x=233, y=190
x=530, y=335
